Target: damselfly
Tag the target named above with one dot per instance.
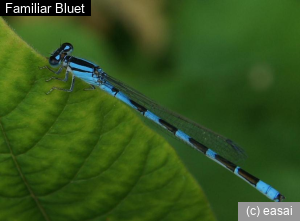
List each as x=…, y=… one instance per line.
x=214, y=146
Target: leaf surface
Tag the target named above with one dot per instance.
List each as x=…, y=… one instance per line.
x=82, y=155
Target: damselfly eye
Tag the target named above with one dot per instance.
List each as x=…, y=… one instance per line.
x=54, y=61
x=67, y=48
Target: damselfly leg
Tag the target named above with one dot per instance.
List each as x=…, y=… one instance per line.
x=63, y=89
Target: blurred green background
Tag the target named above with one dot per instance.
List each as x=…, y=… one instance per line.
x=232, y=66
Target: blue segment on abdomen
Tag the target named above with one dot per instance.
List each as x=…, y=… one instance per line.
x=122, y=97
x=211, y=154
x=152, y=117
x=267, y=190
x=183, y=136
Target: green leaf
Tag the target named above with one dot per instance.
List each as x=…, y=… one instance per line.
x=82, y=155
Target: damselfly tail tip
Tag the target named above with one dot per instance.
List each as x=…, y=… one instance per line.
x=280, y=197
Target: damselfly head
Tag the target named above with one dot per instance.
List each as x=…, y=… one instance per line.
x=57, y=57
